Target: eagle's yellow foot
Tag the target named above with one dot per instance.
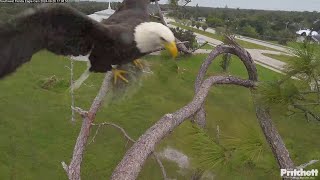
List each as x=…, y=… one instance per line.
x=117, y=73
x=138, y=63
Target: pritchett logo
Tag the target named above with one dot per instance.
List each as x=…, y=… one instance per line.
x=299, y=173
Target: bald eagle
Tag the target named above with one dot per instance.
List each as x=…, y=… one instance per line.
x=122, y=38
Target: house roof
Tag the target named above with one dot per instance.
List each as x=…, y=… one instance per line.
x=106, y=12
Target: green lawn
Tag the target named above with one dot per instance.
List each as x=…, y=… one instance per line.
x=36, y=133
x=244, y=44
x=283, y=58
x=207, y=46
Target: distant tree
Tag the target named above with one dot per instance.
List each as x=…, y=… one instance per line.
x=116, y=5
x=196, y=12
x=173, y=4
x=198, y=25
x=249, y=31
x=204, y=26
x=316, y=25
x=220, y=30
x=284, y=37
x=225, y=62
x=193, y=23
x=214, y=21
x=179, y=7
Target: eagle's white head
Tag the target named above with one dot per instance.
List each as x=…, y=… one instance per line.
x=151, y=36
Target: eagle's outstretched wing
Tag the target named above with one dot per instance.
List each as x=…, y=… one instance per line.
x=57, y=28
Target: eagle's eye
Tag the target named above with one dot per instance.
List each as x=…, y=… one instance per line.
x=162, y=39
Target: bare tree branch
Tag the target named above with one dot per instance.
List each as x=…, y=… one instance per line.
x=80, y=111
x=95, y=134
x=186, y=3
x=116, y=126
x=164, y=174
x=200, y=46
x=73, y=170
x=73, y=119
x=272, y=136
x=160, y=14
x=244, y=56
x=136, y=156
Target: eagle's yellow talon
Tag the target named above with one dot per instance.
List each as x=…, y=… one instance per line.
x=138, y=63
x=118, y=74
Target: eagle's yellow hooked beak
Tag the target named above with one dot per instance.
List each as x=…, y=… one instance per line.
x=172, y=48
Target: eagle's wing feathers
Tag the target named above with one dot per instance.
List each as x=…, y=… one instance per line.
x=58, y=28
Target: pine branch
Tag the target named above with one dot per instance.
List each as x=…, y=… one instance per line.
x=307, y=111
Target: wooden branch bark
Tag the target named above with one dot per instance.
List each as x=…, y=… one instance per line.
x=118, y=127
x=245, y=57
x=73, y=119
x=164, y=174
x=273, y=137
x=73, y=170
x=269, y=130
x=136, y=156
x=200, y=46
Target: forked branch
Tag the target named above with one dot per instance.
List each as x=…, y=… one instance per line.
x=73, y=170
x=136, y=156
x=164, y=174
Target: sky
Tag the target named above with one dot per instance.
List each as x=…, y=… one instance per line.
x=288, y=5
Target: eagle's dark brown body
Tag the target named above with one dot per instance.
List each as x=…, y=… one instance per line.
x=123, y=49
x=65, y=31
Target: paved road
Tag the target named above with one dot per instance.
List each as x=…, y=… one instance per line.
x=258, y=57
x=258, y=41
x=263, y=43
